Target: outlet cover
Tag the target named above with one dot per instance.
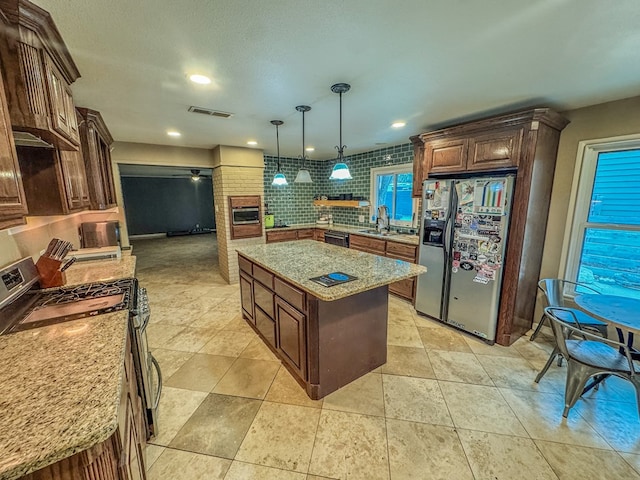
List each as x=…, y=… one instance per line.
x=361, y=218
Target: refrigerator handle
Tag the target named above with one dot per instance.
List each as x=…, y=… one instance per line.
x=448, y=226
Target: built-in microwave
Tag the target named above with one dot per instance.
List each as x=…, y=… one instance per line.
x=245, y=215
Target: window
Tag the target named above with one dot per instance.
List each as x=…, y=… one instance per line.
x=392, y=186
x=604, y=249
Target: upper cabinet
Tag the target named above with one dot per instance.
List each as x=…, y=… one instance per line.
x=12, y=200
x=493, y=144
x=96, y=147
x=37, y=70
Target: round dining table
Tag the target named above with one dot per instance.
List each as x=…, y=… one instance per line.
x=620, y=312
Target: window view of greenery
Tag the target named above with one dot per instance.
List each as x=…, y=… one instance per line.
x=394, y=191
x=610, y=258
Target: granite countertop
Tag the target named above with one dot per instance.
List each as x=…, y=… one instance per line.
x=60, y=390
x=298, y=261
x=393, y=237
x=101, y=270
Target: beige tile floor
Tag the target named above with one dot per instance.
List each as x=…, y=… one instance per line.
x=444, y=406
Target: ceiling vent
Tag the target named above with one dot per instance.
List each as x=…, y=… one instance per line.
x=207, y=111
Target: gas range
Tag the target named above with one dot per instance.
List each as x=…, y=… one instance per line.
x=27, y=307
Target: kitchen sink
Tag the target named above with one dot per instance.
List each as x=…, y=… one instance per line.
x=375, y=232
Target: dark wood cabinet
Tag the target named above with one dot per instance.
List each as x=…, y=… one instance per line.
x=445, y=155
x=306, y=233
x=245, y=230
x=324, y=344
x=495, y=150
x=75, y=182
x=246, y=295
x=388, y=248
x=318, y=234
x=96, y=141
x=281, y=235
x=291, y=336
x=38, y=71
x=13, y=205
x=54, y=181
x=367, y=244
x=525, y=142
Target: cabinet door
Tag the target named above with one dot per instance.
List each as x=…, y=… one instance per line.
x=305, y=233
x=63, y=113
x=445, y=156
x=12, y=199
x=291, y=336
x=318, y=234
x=246, y=296
x=75, y=180
x=281, y=236
x=367, y=244
x=497, y=149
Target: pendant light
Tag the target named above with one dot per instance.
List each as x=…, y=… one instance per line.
x=195, y=174
x=340, y=170
x=279, y=180
x=303, y=174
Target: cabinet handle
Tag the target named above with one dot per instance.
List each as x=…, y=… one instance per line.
x=157, y=367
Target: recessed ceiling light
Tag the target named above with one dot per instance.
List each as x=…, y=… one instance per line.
x=310, y=149
x=252, y=142
x=173, y=133
x=398, y=124
x=200, y=79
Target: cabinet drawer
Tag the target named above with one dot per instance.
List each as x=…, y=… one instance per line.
x=246, y=231
x=305, y=233
x=292, y=295
x=402, y=251
x=282, y=236
x=244, y=264
x=263, y=276
x=495, y=149
x=267, y=327
x=403, y=288
x=318, y=234
x=367, y=244
x=263, y=298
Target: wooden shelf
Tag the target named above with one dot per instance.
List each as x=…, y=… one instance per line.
x=341, y=203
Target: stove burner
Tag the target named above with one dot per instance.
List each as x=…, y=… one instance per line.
x=91, y=290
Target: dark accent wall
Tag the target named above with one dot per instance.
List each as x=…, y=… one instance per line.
x=159, y=205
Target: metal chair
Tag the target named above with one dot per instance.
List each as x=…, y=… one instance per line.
x=553, y=289
x=589, y=356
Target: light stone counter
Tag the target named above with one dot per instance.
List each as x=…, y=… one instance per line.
x=59, y=390
x=101, y=270
x=393, y=237
x=303, y=259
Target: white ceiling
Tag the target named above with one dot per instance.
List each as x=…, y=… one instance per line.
x=427, y=62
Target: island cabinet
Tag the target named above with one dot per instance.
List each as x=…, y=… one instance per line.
x=38, y=71
x=524, y=143
x=96, y=141
x=405, y=288
x=13, y=204
x=324, y=344
x=122, y=455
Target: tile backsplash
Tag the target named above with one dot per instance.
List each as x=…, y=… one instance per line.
x=293, y=204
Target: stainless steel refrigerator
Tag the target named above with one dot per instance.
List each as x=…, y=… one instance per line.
x=463, y=239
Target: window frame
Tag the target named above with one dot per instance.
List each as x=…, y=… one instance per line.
x=387, y=170
x=580, y=202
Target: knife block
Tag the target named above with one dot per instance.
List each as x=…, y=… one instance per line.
x=49, y=272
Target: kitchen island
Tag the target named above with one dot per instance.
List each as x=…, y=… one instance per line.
x=326, y=336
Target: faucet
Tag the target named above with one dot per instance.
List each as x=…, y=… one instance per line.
x=382, y=220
